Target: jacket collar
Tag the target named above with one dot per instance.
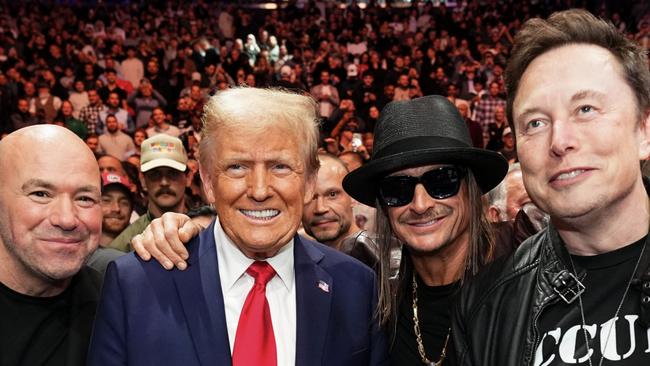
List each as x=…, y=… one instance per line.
x=554, y=259
x=314, y=291
x=200, y=293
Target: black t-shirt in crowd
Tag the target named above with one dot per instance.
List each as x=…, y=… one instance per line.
x=33, y=330
x=562, y=341
x=434, y=306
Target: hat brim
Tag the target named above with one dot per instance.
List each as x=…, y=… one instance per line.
x=118, y=185
x=488, y=167
x=162, y=162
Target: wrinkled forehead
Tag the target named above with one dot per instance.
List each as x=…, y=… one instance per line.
x=331, y=173
x=261, y=136
x=59, y=169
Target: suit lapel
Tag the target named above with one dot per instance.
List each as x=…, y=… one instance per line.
x=199, y=291
x=314, y=290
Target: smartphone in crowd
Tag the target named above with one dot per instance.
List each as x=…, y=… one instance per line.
x=356, y=141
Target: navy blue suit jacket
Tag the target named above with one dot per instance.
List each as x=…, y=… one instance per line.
x=150, y=316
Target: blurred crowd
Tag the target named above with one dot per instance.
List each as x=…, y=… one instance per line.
x=118, y=74
x=280, y=103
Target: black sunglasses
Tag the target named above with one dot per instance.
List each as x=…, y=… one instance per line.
x=440, y=183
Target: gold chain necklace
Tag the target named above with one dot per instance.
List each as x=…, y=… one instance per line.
x=418, y=335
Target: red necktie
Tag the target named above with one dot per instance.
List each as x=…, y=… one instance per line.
x=254, y=341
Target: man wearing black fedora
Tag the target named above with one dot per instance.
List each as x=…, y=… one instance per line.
x=426, y=180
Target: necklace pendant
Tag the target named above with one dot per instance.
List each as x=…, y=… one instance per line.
x=437, y=363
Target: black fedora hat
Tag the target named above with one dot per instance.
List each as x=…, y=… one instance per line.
x=427, y=130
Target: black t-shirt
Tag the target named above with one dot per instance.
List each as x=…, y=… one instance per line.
x=561, y=339
x=33, y=330
x=434, y=305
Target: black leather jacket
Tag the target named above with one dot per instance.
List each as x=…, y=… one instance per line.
x=495, y=320
x=362, y=247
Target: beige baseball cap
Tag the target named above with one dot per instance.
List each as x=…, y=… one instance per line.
x=162, y=150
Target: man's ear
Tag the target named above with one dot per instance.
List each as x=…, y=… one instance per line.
x=644, y=134
x=493, y=214
x=206, y=180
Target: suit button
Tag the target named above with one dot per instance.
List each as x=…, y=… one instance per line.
x=645, y=300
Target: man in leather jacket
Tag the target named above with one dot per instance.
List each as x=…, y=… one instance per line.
x=578, y=292
x=426, y=180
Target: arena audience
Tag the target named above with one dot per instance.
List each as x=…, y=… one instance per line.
x=153, y=67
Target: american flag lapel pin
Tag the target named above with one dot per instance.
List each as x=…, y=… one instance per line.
x=324, y=286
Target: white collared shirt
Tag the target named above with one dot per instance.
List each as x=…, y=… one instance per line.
x=280, y=292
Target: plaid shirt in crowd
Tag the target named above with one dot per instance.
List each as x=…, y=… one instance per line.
x=89, y=115
x=484, y=113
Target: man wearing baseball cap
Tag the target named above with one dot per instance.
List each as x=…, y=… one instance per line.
x=508, y=150
x=117, y=205
x=163, y=162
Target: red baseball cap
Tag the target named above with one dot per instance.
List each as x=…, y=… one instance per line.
x=112, y=178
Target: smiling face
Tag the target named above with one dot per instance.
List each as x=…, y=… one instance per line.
x=50, y=216
x=258, y=185
x=578, y=133
x=429, y=225
x=116, y=209
x=158, y=117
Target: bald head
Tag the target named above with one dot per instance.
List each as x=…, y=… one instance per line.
x=328, y=216
x=46, y=141
x=50, y=216
x=110, y=164
x=334, y=164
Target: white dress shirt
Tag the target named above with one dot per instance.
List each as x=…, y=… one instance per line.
x=280, y=292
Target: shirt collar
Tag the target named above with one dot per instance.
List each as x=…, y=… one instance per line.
x=234, y=263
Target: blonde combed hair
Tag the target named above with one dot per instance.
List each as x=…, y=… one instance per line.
x=254, y=110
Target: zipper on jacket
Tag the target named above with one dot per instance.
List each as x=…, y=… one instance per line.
x=550, y=300
x=534, y=346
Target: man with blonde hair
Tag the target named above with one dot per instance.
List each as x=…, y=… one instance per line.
x=250, y=280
